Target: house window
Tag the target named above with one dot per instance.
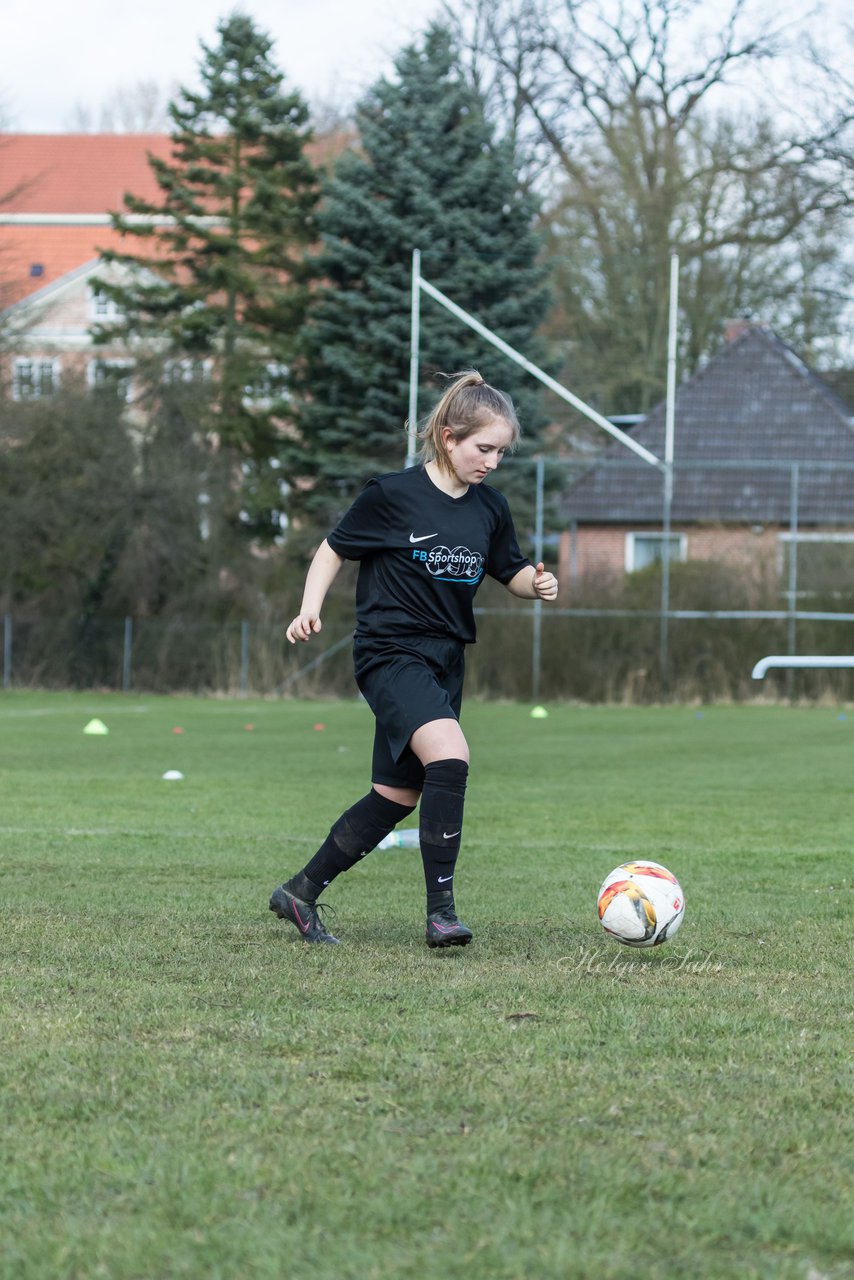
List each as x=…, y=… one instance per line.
x=188, y=370
x=32, y=379
x=103, y=307
x=112, y=375
x=270, y=384
x=645, y=549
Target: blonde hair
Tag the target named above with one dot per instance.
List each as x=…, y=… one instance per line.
x=467, y=405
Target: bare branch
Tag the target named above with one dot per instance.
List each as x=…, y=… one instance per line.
x=620, y=101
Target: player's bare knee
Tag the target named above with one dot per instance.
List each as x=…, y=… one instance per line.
x=408, y=796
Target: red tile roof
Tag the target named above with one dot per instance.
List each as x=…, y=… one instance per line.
x=49, y=184
x=33, y=257
x=76, y=172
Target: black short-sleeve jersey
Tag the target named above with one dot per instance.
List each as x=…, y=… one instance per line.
x=423, y=554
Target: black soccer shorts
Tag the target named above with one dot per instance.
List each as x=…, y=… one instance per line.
x=407, y=682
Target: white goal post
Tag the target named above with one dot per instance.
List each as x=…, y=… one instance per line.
x=813, y=663
x=419, y=286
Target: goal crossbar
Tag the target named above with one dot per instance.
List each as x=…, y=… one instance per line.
x=812, y=663
x=420, y=285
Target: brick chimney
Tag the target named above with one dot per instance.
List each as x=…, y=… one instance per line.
x=735, y=328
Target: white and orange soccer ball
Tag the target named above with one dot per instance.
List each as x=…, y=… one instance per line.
x=641, y=904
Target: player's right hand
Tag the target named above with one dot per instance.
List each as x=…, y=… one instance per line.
x=302, y=627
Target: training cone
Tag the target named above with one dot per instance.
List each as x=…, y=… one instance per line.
x=538, y=713
x=96, y=726
x=173, y=775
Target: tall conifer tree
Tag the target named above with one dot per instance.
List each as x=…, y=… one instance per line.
x=427, y=174
x=220, y=270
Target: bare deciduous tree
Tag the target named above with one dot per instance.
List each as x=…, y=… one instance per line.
x=639, y=121
x=137, y=108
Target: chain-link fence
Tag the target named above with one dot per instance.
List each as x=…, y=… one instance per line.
x=642, y=615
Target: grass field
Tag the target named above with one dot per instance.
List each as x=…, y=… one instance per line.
x=191, y=1091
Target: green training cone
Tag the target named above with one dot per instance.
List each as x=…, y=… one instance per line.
x=96, y=726
x=538, y=713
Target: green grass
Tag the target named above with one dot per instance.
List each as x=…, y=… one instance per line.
x=190, y=1091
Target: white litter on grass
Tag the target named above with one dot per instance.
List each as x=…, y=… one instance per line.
x=173, y=775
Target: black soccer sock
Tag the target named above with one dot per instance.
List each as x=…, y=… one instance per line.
x=440, y=827
x=357, y=832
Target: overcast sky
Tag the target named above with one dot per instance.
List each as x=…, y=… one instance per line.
x=59, y=55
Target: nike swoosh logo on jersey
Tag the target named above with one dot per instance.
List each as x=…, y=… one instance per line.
x=423, y=538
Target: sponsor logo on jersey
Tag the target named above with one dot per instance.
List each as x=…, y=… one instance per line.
x=457, y=565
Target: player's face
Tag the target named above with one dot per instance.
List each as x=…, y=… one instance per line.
x=480, y=453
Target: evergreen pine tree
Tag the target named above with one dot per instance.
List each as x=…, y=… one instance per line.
x=220, y=270
x=427, y=174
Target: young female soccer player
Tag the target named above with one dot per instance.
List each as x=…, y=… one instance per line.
x=424, y=538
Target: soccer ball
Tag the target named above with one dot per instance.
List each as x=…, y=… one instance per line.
x=641, y=904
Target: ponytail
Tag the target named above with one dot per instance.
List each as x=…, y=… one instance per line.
x=468, y=404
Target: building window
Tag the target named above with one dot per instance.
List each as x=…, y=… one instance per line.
x=645, y=549
x=103, y=307
x=188, y=369
x=269, y=385
x=111, y=375
x=32, y=379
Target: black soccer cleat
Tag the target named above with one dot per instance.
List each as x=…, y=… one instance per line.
x=304, y=915
x=444, y=929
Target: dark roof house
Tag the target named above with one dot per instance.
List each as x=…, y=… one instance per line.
x=740, y=424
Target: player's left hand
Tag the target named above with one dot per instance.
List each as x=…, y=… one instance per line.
x=544, y=584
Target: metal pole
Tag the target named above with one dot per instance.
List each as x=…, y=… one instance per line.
x=670, y=410
x=669, y=440
x=126, y=655
x=810, y=662
x=7, y=651
x=664, y=611
x=536, y=656
x=244, y=657
x=793, y=575
x=414, y=354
